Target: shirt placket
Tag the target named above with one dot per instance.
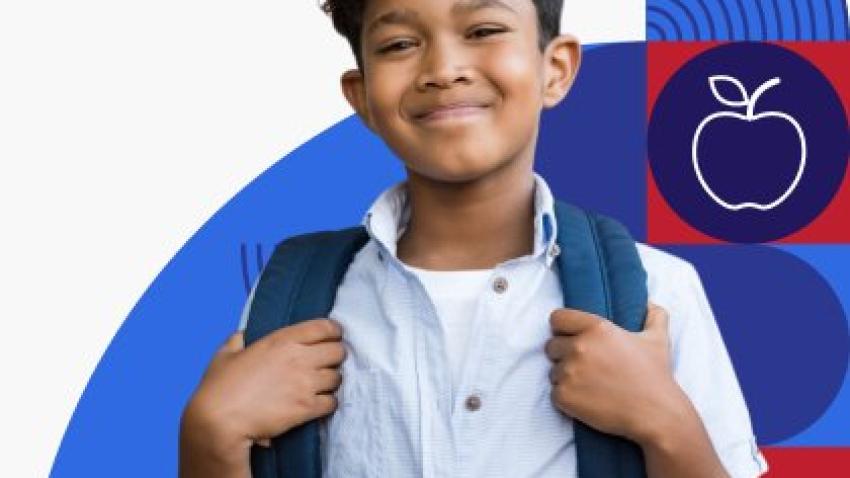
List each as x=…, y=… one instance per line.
x=470, y=404
x=433, y=379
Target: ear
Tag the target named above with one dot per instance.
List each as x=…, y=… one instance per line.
x=354, y=89
x=562, y=59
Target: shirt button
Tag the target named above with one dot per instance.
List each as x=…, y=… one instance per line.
x=555, y=250
x=473, y=402
x=500, y=285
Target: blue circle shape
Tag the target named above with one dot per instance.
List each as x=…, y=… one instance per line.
x=785, y=330
x=748, y=142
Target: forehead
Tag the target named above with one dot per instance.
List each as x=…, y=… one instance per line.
x=380, y=13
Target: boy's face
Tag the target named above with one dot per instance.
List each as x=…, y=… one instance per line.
x=422, y=59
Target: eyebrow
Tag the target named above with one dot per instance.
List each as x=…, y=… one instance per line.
x=407, y=16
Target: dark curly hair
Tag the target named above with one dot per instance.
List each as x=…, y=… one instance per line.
x=347, y=17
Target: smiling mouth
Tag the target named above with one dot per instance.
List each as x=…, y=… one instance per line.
x=452, y=113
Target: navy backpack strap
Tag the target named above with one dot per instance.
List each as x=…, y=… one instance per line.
x=298, y=283
x=601, y=273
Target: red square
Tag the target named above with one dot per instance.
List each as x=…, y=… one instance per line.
x=664, y=226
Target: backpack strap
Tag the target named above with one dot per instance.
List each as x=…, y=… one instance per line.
x=601, y=273
x=298, y=283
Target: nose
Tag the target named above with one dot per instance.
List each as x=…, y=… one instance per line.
x=442, y=66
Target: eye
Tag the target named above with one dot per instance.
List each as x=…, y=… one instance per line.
x=485, y=32
x=396, y=46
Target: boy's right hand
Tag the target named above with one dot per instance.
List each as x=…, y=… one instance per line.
x=251, y=394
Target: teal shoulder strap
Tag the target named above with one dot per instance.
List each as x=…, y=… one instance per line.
x=601, y=273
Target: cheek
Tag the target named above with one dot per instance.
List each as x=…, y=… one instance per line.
x=384, y=97
x=518, y=75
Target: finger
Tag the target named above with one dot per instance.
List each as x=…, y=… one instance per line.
x=327, y=380
x=323, y=404
x=657, y=320
x=558, y=347
x=312, y=331
x=572, y=321
x=326, y=354
x=265, y=442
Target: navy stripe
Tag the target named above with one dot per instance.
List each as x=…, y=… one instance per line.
x=812, y=26
x=260, y=261
x=730, y=31
x=690, y=15
x=661, y=34
x=780, y=28
x=710, y=20
x=762, y=20
x=243, y=252
x=797, y=34
x=744, y=19
x=830, y=20
x=669, y=18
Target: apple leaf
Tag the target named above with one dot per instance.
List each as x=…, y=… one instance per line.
x=717, y=80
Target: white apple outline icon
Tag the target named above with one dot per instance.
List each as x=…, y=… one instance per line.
x=750, y=103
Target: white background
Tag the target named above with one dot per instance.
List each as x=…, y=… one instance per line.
x=123, y=127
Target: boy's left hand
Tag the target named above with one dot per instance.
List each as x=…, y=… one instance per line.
x=613, y=380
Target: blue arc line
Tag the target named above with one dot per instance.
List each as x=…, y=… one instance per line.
x=669, y=18
x=744, y=21
x=773, y=25
x=652, y=26
x=243, y=254
x=764, y=35
x=795, y=14
x=829, y=20
x=778, y=13
x=668, y=6
x=711, y=27
x=812, y=26
x=260, y=261
x=729, y=28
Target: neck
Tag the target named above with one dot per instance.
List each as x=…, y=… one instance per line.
x=470, y=225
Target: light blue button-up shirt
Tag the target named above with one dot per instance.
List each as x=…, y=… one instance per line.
x=400, y=416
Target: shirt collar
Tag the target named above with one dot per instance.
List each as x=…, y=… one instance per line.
x=387, y=218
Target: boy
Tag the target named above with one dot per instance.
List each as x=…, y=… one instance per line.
x=459, y=360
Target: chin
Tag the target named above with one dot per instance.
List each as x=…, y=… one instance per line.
x=457, y=172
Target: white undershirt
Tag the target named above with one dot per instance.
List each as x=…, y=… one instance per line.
x=455, y=296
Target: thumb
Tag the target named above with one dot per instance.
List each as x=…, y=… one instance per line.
x=572, y=321
x=657, y=321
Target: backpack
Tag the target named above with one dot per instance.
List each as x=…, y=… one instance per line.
x=600, y=272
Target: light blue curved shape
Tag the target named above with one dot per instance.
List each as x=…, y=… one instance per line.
x=126, y=422
x=121, y=424
x=833, y=263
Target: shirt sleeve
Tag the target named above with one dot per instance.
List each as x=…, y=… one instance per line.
x=243, y=320
x=702, y=367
